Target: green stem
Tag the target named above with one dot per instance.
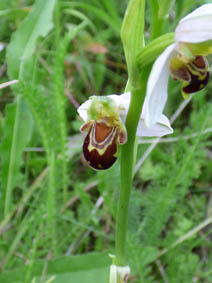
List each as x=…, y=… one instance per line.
x=133, y=47
x=127, y=165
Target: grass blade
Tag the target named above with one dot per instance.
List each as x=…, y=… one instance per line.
x=17, y=134
x=20, y=63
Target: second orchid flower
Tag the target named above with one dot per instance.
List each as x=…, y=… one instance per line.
x=184, y=60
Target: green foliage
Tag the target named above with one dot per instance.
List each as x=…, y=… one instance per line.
x=20, y=62
x=65, y=269
x=162, y=215
x=112, y=18
x=54, y=208
x=17, y=131
x=21, y=49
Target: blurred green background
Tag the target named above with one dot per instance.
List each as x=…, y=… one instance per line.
x=57, y=216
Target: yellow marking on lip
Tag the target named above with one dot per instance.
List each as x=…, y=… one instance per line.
x=108, y=139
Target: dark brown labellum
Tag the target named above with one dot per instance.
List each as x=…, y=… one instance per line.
x=197, y=83
x=100, y=146
x=195, y=74
x=199, y=75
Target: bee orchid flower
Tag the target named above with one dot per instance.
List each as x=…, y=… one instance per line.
x=104, y=118
x=184, y=60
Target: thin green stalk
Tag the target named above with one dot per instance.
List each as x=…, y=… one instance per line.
x=11, y=168
x=51, y=204
x=132, y=35
x=127, y=165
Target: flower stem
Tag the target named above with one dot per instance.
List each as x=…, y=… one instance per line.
x=127, y=166
x=132, y=35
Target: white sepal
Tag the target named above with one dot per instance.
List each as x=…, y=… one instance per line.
x=161, y=128
x=196, y=27
x=157, y=87
x=83, y=110
x=122, y=102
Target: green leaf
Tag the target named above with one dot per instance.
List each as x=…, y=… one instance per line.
x=88, y=276
x=152, y=50
x=132, y=35
x=9, y=12
x=20, y=62
x=22, y=47
x=16, y=135
x=82, y=268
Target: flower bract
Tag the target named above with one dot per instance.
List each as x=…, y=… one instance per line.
x=184, y=60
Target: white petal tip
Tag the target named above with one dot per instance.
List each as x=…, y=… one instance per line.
x=161, y=128
x=196, y=27
x=83, y=110
x=157, y=87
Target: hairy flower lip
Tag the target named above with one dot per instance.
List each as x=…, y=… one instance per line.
x=195, y=28
x=100, y=146
x=105, y=132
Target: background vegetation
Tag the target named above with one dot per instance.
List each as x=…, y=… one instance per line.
x=53, y=207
